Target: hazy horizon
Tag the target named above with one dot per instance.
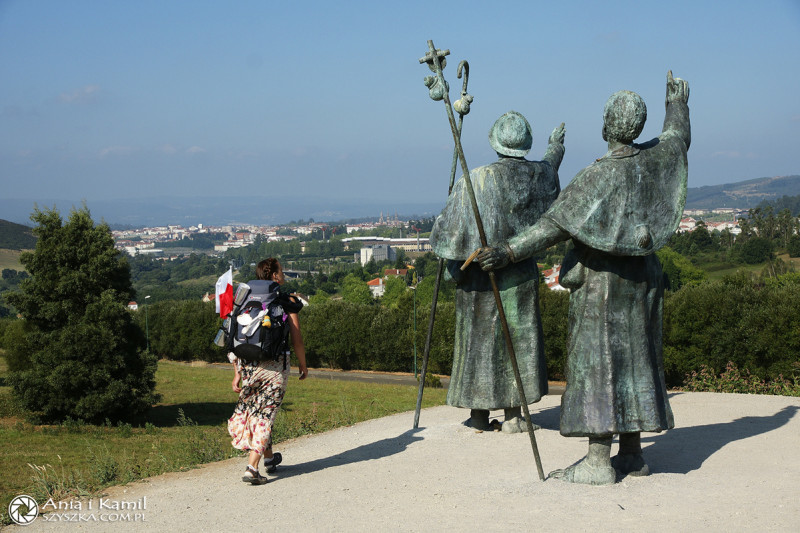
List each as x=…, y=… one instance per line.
x=259, y=210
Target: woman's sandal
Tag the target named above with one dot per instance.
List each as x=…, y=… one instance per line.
x=252, y=476
x=272, y=465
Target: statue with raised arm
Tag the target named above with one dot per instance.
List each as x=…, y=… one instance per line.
x=618, y=211
x=511, y=193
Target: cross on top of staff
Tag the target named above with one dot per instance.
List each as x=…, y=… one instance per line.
x=430, y=56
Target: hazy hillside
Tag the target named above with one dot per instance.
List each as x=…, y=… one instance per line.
x=16, y=236
x=744, y=194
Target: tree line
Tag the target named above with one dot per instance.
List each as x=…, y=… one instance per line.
x=752, y=323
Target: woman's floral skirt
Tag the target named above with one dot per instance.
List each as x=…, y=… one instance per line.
x=263, y=388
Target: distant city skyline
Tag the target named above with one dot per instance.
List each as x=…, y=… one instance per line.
x=323, y=102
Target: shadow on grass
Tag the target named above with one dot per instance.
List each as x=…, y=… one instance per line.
x=204, y=413
x=367, y=452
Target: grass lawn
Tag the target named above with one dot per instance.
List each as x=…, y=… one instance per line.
x=794, y=261
x=207, y=281
x=718, y=271
x=189, y=427
x=10, y=259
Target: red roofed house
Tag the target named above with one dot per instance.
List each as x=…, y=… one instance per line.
x=376, y=287
x=551, y=278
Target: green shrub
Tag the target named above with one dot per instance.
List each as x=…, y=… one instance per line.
x=794, y=246
x=340, y=334
x=678, y=270
x=78, y=353
x=737, y=320
x=554, y=308
x=432, y=381
x=756, y=250
x=336, y=333
x=16, y=344
x=733, y=380
x=181, y=330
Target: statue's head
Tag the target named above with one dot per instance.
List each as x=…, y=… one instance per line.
x=511, y=135
x=623, y=117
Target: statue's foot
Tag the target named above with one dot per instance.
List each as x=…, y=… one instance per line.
x=480, y=425
x=631, y=464
x=517, y=425
x=583, y=472
x=479, y=419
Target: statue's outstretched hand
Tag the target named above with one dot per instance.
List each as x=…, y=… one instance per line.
x=677, y=89
x=558, y=135
x=493, y=258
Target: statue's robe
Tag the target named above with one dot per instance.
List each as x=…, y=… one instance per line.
x=511, y=195
x=615, y=369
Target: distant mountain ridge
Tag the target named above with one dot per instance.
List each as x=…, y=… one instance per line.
x=137, y=212
x=744, y=194
x=16, y=236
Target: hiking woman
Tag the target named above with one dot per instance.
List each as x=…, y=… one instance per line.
x=261, y=386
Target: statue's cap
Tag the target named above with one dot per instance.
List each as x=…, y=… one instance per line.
x=511, y=135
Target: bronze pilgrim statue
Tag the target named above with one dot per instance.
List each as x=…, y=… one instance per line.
x=511, y=193
x=617, y=211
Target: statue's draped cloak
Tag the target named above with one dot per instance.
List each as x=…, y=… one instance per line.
x=607, y=201
x=615, y=369
x=511, y=194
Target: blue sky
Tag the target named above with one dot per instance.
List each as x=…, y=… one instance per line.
x=113, y=99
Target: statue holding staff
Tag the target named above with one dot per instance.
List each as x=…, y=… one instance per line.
x=512, y=193
x=618, y=211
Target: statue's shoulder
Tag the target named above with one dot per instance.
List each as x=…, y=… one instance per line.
x=523, y=167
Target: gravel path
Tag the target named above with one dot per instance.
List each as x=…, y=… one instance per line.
x=731, y=464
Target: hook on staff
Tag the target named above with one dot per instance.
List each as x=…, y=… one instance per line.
x=462, y=104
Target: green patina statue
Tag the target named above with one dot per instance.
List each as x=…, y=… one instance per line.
x=511, y=193
x=618, y=211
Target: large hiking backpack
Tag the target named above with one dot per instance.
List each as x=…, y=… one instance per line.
x=259, y=328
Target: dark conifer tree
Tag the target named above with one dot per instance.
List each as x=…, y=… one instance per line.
x=82, y=355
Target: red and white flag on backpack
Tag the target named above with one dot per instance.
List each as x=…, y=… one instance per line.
x=224, y=296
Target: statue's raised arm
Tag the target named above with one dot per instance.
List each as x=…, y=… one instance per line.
x=676, y=120
x=555, y=147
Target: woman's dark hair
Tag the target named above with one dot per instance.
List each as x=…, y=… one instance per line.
x=266, y=268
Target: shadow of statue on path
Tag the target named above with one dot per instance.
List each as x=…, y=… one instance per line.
x=683, y=449
x=547, y=418
x=367, y=452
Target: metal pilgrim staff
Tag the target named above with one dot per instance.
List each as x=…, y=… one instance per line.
x=462, y=107
x=438, y=90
